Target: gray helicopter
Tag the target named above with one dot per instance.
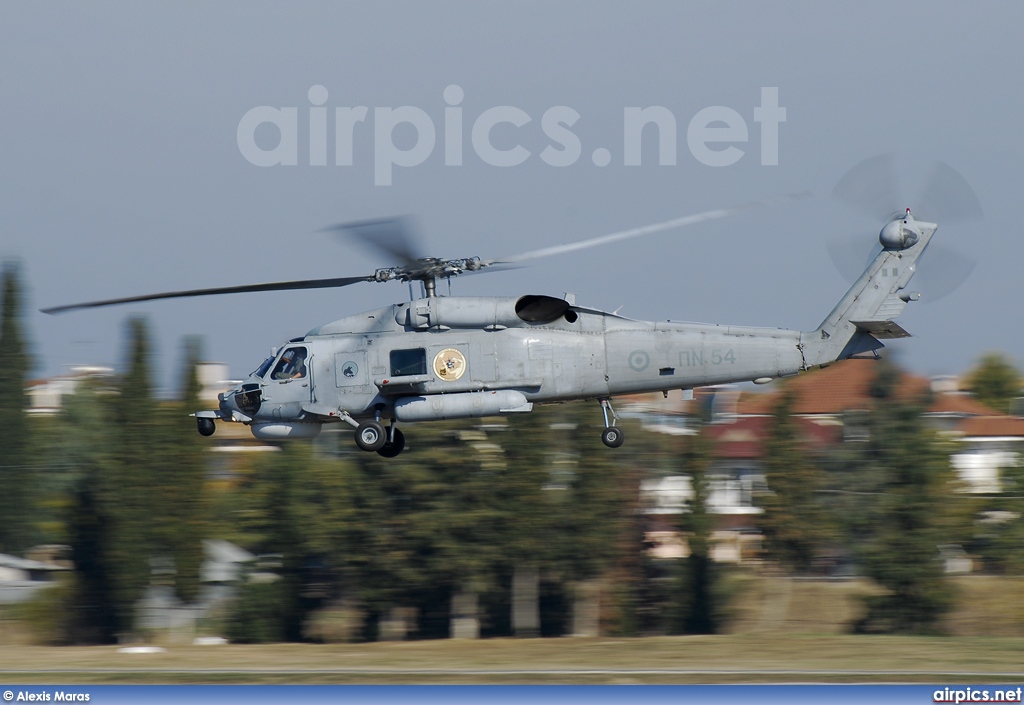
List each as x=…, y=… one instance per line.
x=452, y=357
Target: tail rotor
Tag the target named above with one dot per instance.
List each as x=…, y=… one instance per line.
x=873, y=188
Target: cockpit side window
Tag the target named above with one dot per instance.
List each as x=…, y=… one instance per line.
x=408, y=362
x=264, y=368
x=292, y=364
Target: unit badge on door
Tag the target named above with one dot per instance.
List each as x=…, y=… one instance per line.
x=449, y=364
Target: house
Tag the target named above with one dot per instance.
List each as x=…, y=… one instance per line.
x=826, y=405
x=46, y=396
x=735, y=477
x=833, y=396
x=22, y=578
x=224, y=565
x=989, y=444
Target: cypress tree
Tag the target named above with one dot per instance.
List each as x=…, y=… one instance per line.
x=697, y=607
x=89, y=447
x=15, y=475
x=795, y=525
x=181, y=518
x=128, y=498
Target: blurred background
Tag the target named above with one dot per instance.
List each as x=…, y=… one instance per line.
x=859, y=498
x=877, y=497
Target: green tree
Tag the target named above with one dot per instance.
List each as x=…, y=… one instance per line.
x=600, y=505
x=88, y=447
x=16, y=477
x=528, y=535
x=127, y=486
x=572, y=509
x=379, y=533
x=698, y=608
x=898, y=483
x=181, y=516
x=136, y=479
x=270, y=515
x=796, y=526
x=995, y=381
x=456, y=514
x=112, y=433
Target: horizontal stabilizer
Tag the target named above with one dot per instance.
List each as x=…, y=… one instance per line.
x=882, y=329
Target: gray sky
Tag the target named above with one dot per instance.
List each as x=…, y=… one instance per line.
x=121, y=171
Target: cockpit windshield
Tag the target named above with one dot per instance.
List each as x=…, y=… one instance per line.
x=264, y=368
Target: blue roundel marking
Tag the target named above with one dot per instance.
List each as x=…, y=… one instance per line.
x=639, y=360
x=350, y=369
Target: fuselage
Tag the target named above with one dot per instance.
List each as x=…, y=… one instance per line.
x=448, y=357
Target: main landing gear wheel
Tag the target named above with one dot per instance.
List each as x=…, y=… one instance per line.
x=371, y=436
x=612, y=437
x=393, y=447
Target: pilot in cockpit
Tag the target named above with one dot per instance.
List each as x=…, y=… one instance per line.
x=292, y=365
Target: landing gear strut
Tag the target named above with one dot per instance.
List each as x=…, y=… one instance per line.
x=612, y=435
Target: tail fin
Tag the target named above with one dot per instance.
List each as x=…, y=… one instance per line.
x=868, y=310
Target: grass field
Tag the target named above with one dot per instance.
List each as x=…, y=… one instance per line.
x=782, y=630
x=764, y=658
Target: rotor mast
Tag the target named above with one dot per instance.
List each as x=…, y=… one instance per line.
x=429, y=286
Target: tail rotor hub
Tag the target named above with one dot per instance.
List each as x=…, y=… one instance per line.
x=900, y=233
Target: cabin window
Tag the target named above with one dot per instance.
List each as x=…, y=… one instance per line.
x=292, y=365
x=408, y=362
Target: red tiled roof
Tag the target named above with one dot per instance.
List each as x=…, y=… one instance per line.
x=657, y=402
x=960, y=404
x=744, y=437
x=992, y=426
x=846, y=386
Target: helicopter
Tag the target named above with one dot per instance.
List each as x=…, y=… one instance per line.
x=439, y=357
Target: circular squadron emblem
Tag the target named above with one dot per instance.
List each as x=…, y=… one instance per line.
x=449, y=364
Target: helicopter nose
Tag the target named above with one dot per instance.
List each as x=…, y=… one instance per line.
x=227, y=401
x=241, y=403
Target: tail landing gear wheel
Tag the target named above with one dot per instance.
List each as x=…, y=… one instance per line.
x=612, y=437
x=370, y=436
x=394, y=446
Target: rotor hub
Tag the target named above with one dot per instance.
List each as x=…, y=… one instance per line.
x=430, y=268
x=900, y=233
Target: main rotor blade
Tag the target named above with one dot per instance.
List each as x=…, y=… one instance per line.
x=395, y=237
x=246, y=288
x=644, y=230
